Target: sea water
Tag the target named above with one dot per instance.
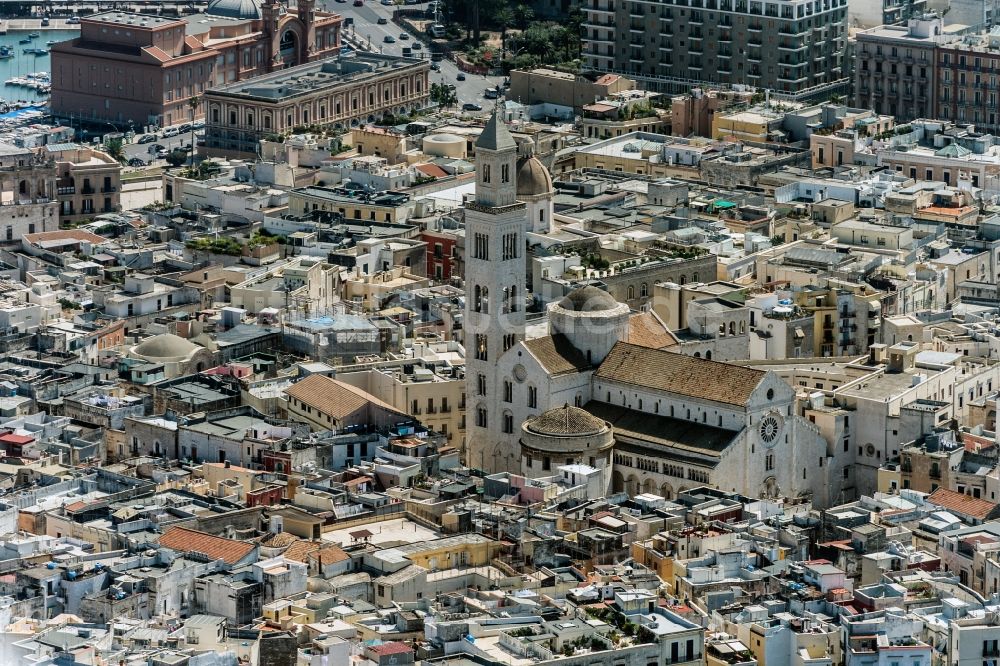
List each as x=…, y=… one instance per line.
x=22, y=64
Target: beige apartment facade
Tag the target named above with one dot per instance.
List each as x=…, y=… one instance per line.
x=88, y=182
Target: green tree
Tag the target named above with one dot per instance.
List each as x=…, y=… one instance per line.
x=523, y=16
x=193, y=103
x=503, y=16
x=115, y=148
x=176, y=158
x=443, y=94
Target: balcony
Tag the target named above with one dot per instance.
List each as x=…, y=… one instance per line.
x=755, y=27
x=109, y=189
x=66, y=190
x=87, y=190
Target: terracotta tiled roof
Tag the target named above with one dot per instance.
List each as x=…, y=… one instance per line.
x=184, y=540
x=329, y=396
x=279, y=540
x=158, y=53
x=557, y=355
x=432, y=170
x=300, y=550
x=648, y=330
x=329, y=555
x=680, y=374
x=963, y=504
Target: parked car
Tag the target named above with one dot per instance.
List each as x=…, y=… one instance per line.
x=198, y=124
x=170, y=131
x=162, y=153
x=435, y=67
x=136, y=162
x=418, y=45
x=186, y=127
x=73, y=20
x=469, y=106
x=359, y=3
x=147, y=138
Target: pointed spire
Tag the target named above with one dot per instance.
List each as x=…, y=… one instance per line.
x=495, y=135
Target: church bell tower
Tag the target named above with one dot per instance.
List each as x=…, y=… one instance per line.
x=495, y=228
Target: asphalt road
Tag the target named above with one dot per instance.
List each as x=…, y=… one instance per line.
x=142, y=150
x=367, y=33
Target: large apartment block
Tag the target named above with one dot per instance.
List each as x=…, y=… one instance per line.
x=894, y=68
x=921, y=71
x=791, y=47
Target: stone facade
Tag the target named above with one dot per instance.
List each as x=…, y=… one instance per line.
x=338, y=93
x=145, y=69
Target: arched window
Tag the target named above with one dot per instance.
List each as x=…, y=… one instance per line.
x=732, y=328
x=481, y=416
x=743, y=327
x=486, y=300
x=631, y=292
x=513, y=299
x=708, y=355
x=643, y=290
x=477, y=302
x=683, y=279
x=486, y=173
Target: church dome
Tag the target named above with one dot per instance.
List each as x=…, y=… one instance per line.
x=237, y=9
x=565, y=421
x=588, y=299
x=165, y=346
x=532, y=177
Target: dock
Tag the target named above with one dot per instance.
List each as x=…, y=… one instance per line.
x=35, y=25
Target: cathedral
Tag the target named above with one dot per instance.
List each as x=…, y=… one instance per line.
x=598, y=397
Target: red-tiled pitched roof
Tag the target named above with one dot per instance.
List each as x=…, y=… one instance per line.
x=680, y=374
x=646, y=329
x=962, y=504
x=184, y=540
x=432, y=170
x=11, y=438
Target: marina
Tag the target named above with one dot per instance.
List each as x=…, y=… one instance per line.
x=24, y=64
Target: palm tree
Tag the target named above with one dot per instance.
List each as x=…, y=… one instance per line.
x=504, y=15
x=523, y=14
x=193, y=103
